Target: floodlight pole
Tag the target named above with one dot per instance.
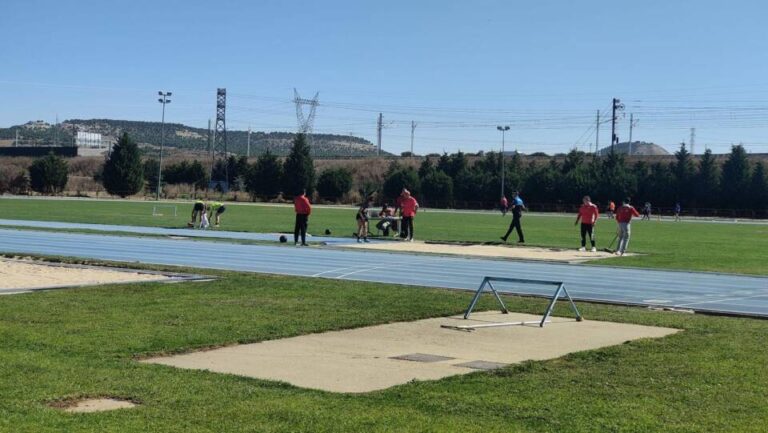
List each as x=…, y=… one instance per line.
x=503, y=130
x=163, y=100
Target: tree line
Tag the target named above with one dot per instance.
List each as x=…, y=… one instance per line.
x=449, y=180
x=453, y=182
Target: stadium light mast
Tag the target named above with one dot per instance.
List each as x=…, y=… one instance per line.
x=503, y=130
x=163, y=100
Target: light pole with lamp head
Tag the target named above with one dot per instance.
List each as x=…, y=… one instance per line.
x=163, y=100
x=503, y=130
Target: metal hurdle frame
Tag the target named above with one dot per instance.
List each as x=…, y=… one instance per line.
x=487, y=281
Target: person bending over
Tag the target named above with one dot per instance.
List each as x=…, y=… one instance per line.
x=198, y=209
x=215, y=215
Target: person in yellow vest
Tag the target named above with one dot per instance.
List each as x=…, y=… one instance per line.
x=215, y=214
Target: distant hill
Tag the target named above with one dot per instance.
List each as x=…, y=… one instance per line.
x=185, y=137
x=638, y=148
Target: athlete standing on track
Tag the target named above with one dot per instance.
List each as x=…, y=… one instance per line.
x=517, y=212
x=409, y=206
x=303, y=209
x=362, y=220
x=623, y=218
x=588, y=215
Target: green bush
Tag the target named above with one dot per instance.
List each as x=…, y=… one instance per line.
x=123, y=173
x=334, y=183
x=48, y=175
x=299, y=170
x=265, y=177
x=437, y=189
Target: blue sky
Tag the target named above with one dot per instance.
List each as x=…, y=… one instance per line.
x=456, y=68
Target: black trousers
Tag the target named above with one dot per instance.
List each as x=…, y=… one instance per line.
x=515, y=225
x=407, y=229
x=300, y=228
x=587, y=229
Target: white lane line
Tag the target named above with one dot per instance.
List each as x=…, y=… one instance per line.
x=368, y=269
x=716, y=301
x=334, y=270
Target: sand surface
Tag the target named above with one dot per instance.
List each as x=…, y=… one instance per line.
x=98, y=405
x=361, y=360
x=17, y=275
x=509, y=252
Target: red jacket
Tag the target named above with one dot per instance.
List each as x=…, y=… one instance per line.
x=625, y=213
x=301, y=205
x=409, y=206
x=588, y=213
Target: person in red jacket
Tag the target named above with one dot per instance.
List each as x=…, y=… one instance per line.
x=588, y=214
x=303, y=209
x=408, y=206
x=503, y=205
x=624, y=216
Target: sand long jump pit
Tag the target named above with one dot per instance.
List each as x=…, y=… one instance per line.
x=22, y=276
x=491, y=251
x=378, y=357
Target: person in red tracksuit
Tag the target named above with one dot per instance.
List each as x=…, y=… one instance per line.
x=303, y=209
x=409, y=206
x=588, y=215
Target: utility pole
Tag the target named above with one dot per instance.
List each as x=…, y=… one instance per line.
x=503, y=130
x=632, y=124
x=379, y=125
x=163, y=100
x=693, y=139
x=248, y=148
x=597, y=132
x=413, y=128
x=56, y=132
x=616, y=105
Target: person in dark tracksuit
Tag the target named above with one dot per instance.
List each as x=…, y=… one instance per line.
x=517, y=207
x=303, y=209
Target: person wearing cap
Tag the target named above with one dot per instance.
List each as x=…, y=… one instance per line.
x=624, y=215
x=303, y=209
x=408, y=206
x=517, y=213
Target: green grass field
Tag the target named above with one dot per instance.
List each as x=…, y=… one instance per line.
x=65, y=344
x=737, y=248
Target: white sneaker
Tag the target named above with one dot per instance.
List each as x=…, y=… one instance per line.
x=594, y=250
x=582, y=249
x=617, y=253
